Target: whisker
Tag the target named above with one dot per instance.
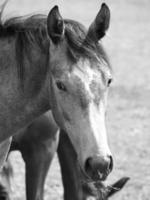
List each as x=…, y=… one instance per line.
x=111, y=187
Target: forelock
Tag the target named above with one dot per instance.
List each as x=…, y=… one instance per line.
x=79, y=45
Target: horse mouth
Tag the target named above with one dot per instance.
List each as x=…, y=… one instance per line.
x=97, y=176
x=94, y=177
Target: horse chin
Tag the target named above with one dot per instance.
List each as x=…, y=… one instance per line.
x=94, y=190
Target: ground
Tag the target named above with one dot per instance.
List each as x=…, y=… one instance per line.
x=128, y=115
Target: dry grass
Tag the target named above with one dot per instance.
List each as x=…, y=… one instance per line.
x=128, y=45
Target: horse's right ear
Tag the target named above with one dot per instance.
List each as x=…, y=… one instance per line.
x=100, y=25
x=55, y=25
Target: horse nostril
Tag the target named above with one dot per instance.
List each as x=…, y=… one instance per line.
x=110, y=167
x=88, y=164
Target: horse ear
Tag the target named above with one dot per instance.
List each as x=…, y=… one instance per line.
x=111, y=190
x=55, y=25
x=100, y=25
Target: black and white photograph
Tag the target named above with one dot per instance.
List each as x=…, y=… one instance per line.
x=74, y=100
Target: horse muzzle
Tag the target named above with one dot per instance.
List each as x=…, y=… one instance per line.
x=98, y=168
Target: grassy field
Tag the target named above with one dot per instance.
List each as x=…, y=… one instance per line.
x=128, y=120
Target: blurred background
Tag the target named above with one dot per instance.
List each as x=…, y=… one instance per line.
x=128, y=118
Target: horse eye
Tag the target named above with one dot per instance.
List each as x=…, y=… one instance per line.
x=109, y=82
x=61, y=86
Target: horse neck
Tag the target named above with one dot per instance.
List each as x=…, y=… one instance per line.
x=18, y=107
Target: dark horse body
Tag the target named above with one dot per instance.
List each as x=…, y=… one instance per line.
x=37, y=144
x=48, y=63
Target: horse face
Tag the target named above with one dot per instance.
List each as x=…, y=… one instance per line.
x=79, y=92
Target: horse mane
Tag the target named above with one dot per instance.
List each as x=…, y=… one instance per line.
x=34, y=28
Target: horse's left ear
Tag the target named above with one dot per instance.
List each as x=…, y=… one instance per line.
x=116, y=187
x=55, y=25
x=100, y=25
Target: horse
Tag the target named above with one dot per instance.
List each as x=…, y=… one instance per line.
x=50, y=63
x=41, y=138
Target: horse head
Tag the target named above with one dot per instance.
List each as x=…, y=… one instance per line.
x=79, y=81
